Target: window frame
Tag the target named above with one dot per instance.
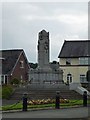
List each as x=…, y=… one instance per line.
x=84, y=61
x=68, y=61
x=21, y=64
x=83, y=78
x=69, y=78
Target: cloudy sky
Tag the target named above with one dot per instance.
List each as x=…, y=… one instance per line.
x=21, y=22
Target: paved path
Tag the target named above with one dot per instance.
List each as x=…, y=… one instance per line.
x=9, y=102
x=81, y=112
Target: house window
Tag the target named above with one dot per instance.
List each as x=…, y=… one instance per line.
x=21, y=77
x=21, y=64
x=83, y=78
x=89, y=61
x=68, y=61
x=69, y=78
x=84, y=61
x=2, y=79
x=6, y=79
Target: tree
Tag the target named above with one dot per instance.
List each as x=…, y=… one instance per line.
x=54, y=62
x=33, y=65
x=15, y=81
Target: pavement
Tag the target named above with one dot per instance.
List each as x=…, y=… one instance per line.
x=8, y=102
x=78, y=112
x=73, y=112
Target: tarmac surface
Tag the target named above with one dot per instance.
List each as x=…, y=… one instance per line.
x=79, y=112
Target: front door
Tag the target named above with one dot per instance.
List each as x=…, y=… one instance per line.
x=69, y=78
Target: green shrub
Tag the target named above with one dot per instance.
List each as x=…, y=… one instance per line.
x=6, y=91
x=15, y=81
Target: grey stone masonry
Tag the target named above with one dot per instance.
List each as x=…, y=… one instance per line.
x=43, y=49
x=42, y=76
x=44, y=73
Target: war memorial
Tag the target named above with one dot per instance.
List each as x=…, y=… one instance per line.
x=44, y=74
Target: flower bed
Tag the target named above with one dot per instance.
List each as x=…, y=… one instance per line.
x=46, y=101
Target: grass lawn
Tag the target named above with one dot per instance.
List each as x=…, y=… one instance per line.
x=63, y=105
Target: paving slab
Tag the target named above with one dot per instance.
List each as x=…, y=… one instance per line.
x=81, y=112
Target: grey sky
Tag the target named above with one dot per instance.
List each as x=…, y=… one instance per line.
x=23, y=20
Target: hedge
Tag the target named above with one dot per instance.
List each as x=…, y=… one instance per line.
x=6, y=91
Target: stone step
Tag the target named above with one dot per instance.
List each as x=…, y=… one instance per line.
x=47, y=94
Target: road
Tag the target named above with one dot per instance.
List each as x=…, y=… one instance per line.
x=81, y=112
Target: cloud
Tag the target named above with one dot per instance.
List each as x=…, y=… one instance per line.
x=45, y=1
x=73, y=19
x=23, y=21
x=66, y=18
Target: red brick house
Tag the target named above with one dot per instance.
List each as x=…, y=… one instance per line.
x=14, y=64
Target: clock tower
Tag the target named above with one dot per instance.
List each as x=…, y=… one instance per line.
x=43, y=49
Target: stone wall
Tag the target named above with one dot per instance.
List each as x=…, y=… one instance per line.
x=47, y=86
x=45, y=76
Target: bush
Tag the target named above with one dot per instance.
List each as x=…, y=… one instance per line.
x=15, y=81
x=6, y=91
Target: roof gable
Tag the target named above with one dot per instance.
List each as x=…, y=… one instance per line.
x=10, y=58
x=75, y=49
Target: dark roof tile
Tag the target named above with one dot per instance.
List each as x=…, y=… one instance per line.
x=79, y=48
x=9, y=59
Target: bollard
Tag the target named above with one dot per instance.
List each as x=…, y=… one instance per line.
x=57, y=104
x=25, y=102
x=85, y=99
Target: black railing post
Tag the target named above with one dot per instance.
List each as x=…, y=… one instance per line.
x=85, y=98
x=25, y=102
x=57, y=104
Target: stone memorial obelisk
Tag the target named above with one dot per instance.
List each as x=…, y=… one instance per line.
x=44, y=73
x=43, y=50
